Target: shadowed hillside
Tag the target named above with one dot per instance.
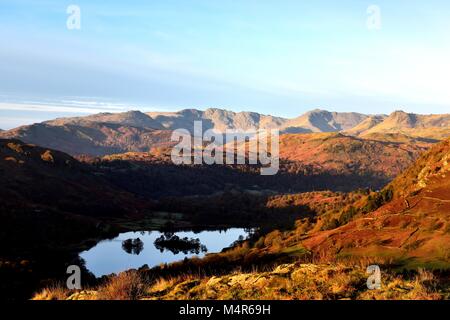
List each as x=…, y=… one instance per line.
x=38, y=177
x=91, y=138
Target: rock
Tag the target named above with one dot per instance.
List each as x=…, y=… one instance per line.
x=304, y=270
x=284, y=269
x=47, y=156
x=83, y=295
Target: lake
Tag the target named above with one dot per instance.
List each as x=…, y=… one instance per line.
x=126, y=252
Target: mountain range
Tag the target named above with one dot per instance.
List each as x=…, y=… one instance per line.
x=135, y=131
x=221, y=120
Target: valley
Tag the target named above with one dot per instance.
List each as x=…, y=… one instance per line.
x=343, y=198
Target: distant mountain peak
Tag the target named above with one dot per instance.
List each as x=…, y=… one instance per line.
x=136, y=113
x=318, y=120
x=435, y=126
x=190, y=111
x=132, y=118
x=403, y=118
x=318, y=110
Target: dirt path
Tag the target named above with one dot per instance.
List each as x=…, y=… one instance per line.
x=436, y=199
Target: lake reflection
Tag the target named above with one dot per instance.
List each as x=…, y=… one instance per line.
x=132, y=250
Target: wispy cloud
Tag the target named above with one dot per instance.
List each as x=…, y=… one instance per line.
x=89, y=108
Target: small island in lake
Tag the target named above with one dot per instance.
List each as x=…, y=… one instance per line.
x=175, y=244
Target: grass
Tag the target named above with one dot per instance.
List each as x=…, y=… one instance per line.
x=296, y=250
x=129, y=285
x=287, y=281
x=53, y=292
x=125, y=286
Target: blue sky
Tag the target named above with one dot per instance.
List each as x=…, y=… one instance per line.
x=275, y=57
